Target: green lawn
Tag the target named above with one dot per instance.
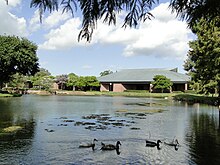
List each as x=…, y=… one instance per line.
x=5, y=95
x=134, y=94
x=9, y=95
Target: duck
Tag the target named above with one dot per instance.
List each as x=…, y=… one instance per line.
x=174, y=143
x=111, y=146
x=153, y=144
x=88, y=145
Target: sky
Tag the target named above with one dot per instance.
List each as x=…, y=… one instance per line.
x=161, y=42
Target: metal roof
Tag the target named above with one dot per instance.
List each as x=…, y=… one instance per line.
x=144, y=75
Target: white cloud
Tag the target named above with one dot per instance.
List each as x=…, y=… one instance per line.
x=34, y=23
x=55, y=18
x=11, y=24
x=164, y=36
x=63, y=37
x=13, y=3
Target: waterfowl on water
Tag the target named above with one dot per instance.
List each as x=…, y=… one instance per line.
x=174, y=143
x=88, y=145
x=111, y=146
x=153, y=144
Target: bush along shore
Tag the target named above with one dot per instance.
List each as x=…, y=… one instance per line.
x=191, y=99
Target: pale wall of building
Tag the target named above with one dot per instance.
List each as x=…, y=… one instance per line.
x=104, y=87
x=118, y=87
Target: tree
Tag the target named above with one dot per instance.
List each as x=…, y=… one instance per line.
x=17, y=55
x=81, y=82
x=161, y=82
x=42, y=72
x=72, y=79
x=87, y=82
x=203, y=58
x=106, y=72
x=18, y=81
x=137, y=10
x=61, y=80
x=42, y=79
x=91, y=81
x=194, y=10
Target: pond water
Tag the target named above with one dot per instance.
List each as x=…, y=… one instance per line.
x=54, y=126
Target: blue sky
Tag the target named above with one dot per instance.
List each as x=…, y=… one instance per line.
x=158, y=43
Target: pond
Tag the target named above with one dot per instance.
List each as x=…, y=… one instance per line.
x=49, y=130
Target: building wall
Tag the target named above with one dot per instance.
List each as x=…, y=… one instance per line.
x=104, y=87
x=179, y=87
x=55, y=86
x=118, y=87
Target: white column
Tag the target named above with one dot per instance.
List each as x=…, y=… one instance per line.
x=186, y=86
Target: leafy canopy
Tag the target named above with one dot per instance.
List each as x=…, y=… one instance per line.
x=72, y=79
x=194, y=10
x=42, y=79
x=18, y=81
x=17, y=55
x=203, y=58
x=161, y=82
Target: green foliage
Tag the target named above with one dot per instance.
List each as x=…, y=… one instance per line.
x=203, y=62
x=42, y=79
x=106, y=72
x=137, y=91
x=210, y=87
x=92, y=81
x=87, y=82
x=81, y=82
x=18, y=81
x=72, y=79
x=191, y=99
x=17, y=55
x=161, y=82
x=194, y=10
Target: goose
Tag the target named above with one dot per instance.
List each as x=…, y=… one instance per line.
x=111, y=146
x=88, y=145
x=174, y=143
x=153, y=144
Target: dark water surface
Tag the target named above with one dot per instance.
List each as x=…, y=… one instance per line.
x=54, y=126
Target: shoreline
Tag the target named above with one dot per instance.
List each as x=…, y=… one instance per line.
x=183, y=97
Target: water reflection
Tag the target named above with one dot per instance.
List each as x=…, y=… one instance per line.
x=14, y=142
x=203, y=139
x=54, y=126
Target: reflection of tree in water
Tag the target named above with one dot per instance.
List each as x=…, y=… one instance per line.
x=8, y=118
x=204, y=139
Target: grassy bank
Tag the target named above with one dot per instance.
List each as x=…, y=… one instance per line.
x=131, y=94
x=135, y=94
x=9, y=95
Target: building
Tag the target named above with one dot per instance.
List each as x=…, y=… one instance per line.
x=141, y=79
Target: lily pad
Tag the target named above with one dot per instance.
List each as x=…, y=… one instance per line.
x=140, y=112
x=145, y=104
x=12, y=129
x=135, y=128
